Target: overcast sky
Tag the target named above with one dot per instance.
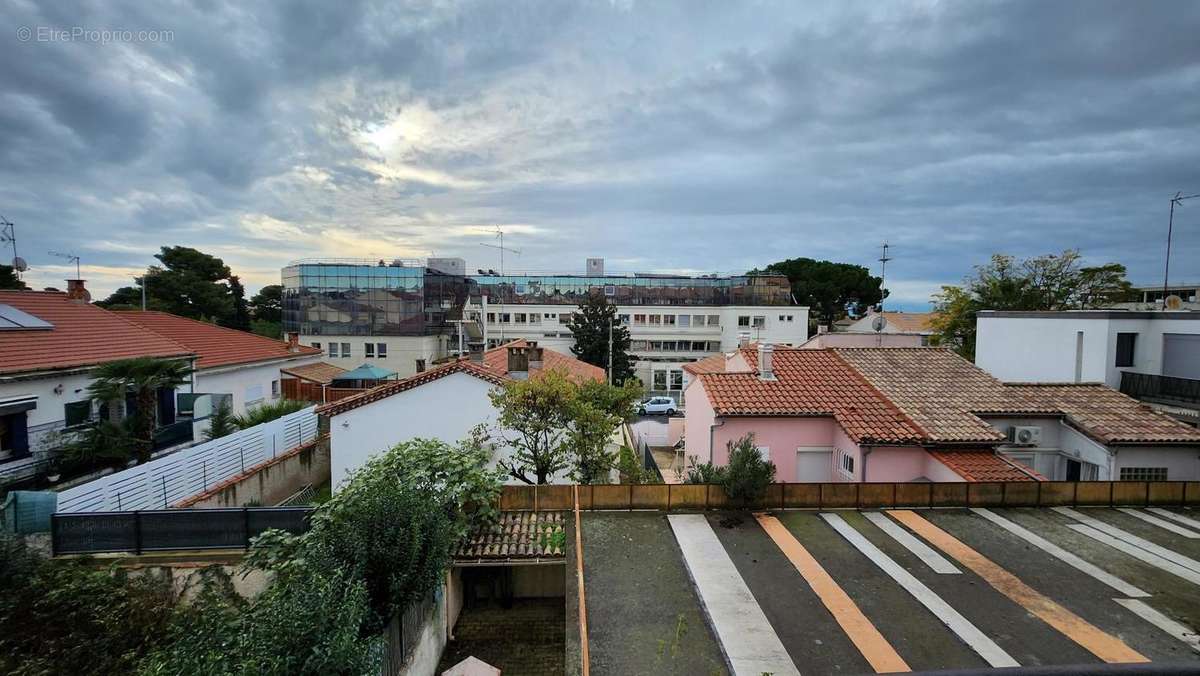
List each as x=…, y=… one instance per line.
x=667, y=136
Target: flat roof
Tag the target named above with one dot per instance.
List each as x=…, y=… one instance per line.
x=1002, y=598
x=1090, y=314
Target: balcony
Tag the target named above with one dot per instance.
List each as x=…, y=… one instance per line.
x=1180, y=394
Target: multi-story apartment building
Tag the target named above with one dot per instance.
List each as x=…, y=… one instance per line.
x=406, y=315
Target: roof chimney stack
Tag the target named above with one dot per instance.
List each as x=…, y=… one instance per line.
x=293, y=341
x=518, y=362
x=822, y=329
x=77, y=292
x=765, y=369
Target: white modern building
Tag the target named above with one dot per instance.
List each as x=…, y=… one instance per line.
x=1077, y=346
x=406, y=315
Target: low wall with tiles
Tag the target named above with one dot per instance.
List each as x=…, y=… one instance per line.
x=269, y=483
x=685, y=497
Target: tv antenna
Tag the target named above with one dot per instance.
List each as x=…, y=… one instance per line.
x=883, y=261
x=502, y=248
x=71, y=258
x=1177, y=199
x=8, y=235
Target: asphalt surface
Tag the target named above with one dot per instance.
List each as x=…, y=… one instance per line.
x=638, y=589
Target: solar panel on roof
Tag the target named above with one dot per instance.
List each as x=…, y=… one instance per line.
x=12, y=319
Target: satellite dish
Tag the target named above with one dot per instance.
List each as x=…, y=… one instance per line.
x=878, y=323
x=1174, y=302
x=19, y=264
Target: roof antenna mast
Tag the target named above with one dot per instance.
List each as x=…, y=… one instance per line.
x=502, y=248
x=1177, y=199
x=8, y=233
x=883, y=261
x=71, y=258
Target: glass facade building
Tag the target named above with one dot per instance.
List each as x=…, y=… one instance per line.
x=370, y=300
x=360, y=299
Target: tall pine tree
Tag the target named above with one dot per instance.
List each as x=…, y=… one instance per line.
x=590, y=326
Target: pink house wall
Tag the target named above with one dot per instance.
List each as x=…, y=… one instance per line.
x=784, y=435
x=823, y=340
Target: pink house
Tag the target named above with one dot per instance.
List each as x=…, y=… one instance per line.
x=910, y=414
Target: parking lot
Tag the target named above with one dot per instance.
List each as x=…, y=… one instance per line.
x=849, y=592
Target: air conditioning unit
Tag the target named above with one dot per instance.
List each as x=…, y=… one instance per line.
x=1024, y=435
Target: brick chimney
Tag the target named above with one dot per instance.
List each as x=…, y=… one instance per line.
x=822, y=329
x=475, y=353
x=766, y=370
x=518, y=362
x=535, y=356
x=293, y=341
x=77, y=292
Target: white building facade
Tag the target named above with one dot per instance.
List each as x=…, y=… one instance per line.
x=1087, y=345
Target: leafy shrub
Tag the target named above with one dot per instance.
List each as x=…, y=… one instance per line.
x=748, y=474
x=222, y=423
x=309, y=624
x=629, y=464
x=703, y=472
x=69, y=617
x=272, y=410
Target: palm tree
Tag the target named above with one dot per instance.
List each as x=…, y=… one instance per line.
x=143, y=377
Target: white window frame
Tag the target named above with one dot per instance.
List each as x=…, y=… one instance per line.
x=381, y=350
x=346, y=350
x=764, y=452
x=369, y=350
x=333, y=350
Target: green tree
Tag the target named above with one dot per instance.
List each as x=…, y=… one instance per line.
x=832, y=290
x=267, y=304
x=9, y=279
x=536, y=414
x=142, y=377
x=240, y=319
x=1042, y=283
x=188, y=283
x=268, y=412
x=590, y=327
x=748, y=474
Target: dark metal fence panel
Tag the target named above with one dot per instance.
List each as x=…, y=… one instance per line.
x=173, y=529
x=1150, y=386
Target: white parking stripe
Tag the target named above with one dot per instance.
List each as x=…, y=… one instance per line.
x=1187, y=521
x=1177, y=629
x=922, y=551
x=1161, y=523
x=993, y=654
x=1172, y=556
x=1138, y=553
x=1061, y=554
x=749, y=642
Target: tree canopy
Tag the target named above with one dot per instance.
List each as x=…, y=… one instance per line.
x=266, y=310
x=831, y=290
x=1049, y=282
x=9, y=279
x=188, y=283
x=590, y=326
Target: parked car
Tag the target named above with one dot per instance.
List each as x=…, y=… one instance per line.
x=656, y=405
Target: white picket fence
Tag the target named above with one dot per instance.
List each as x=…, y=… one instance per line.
x=161, y=483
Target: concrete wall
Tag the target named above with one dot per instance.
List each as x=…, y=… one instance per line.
x=273, y=481
x=885, y=339
x=905, y=463
x=1183, y=464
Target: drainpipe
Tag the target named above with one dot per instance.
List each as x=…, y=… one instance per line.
x=711, y=434
x=866, y=452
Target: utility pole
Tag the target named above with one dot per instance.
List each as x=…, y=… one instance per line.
x=8, y=233
x=610, y=351
x=143, y=285
x=1177, y=199
x=502, y=248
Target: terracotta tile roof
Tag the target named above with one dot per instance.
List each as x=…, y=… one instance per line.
x=517, y=535
x=496, y=359
x=711, y=364
x=1102, y=413
x=901, y=322
x=388, y=389
x=319, y=372
x=945, y=394
x=935, y=387
x=83, y=335
x=811, y=383
x=984, y=464
x=216, y=345
x=492, y=369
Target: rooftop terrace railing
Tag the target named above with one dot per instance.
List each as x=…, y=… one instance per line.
x=1185, y=391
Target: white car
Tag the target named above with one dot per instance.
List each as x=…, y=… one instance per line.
x=653, y=405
